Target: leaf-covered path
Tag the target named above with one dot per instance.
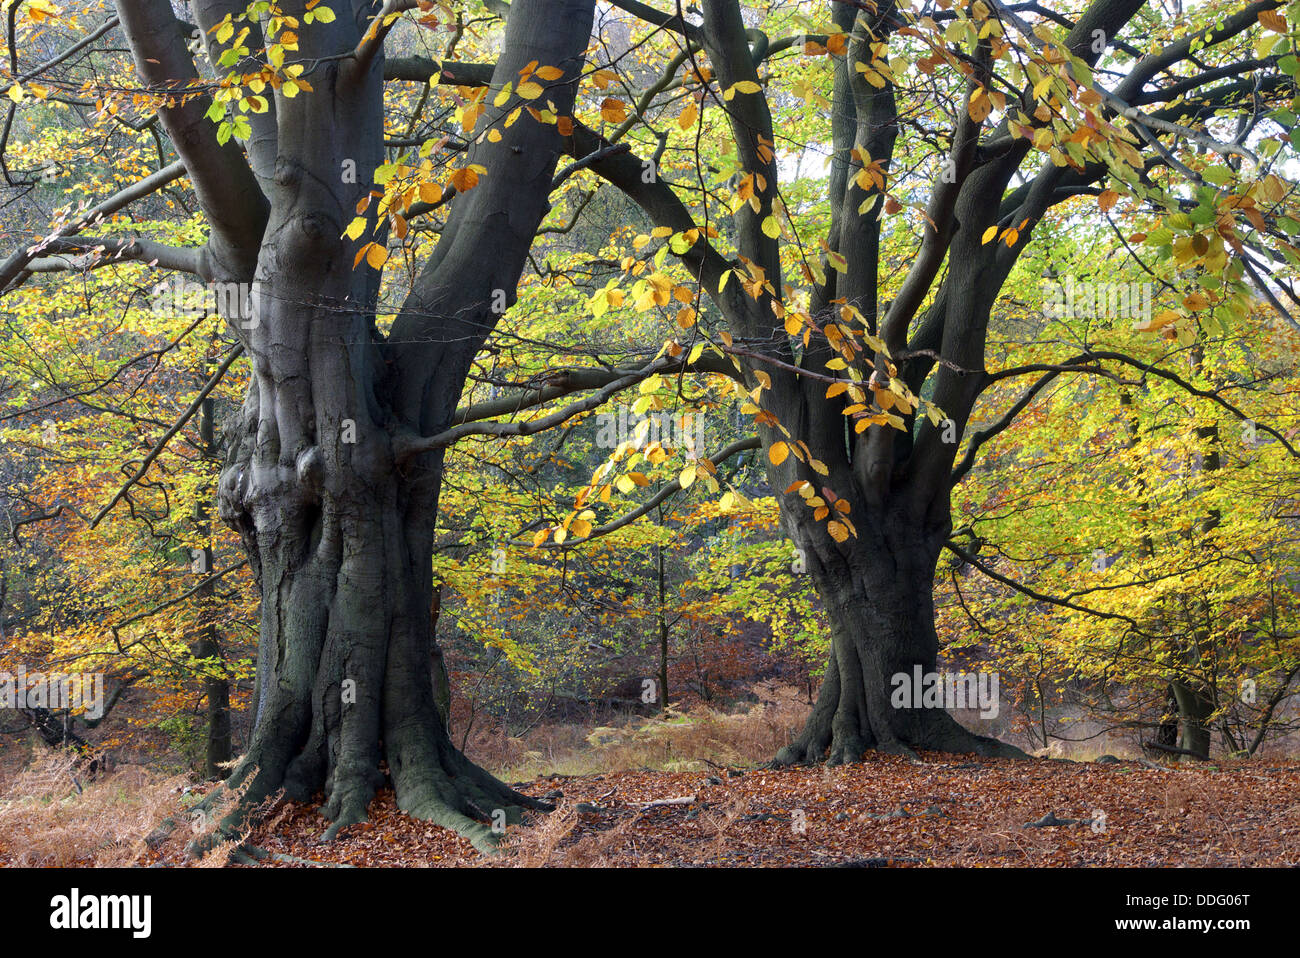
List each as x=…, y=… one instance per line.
x=887, y=811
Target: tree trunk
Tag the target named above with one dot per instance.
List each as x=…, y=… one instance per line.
x=1194, y=710
x=1167, y=732
x=664, y=631
x=334, y=475
x=344, y=673
x=878, y=597
x=216, y=687
x=441, y=681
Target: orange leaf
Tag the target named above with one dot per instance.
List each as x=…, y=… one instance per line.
x=613, y=111
x=464, y=179
x=1272, y=20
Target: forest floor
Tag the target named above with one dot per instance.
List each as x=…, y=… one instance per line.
x=944, y=810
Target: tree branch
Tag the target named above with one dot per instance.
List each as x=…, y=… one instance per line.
x=194, y=407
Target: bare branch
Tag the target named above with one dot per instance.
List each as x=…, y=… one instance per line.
x=194, y=407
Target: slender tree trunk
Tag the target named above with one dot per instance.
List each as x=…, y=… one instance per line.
x=216, y=686
x=1195, y=697
x=1167, y=733
x=664, y=632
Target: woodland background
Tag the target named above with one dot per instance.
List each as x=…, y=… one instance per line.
x=670, y=651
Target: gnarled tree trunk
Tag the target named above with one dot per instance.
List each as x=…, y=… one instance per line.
x=878, y=598
x=336, y=466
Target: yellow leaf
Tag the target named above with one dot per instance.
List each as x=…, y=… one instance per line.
x=839, y=532
x=688, y=116
x=771, y=228
x=376, y=255
x=530, y=90
x=778, y=453
x=40, y=10
x=989, y=233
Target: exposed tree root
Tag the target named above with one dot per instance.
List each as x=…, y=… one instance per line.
x=845, y=724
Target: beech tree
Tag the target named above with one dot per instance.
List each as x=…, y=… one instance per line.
x=867, y=370
x=952, y=133
x=326, y=479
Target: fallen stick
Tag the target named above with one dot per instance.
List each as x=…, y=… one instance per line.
x=684, y=800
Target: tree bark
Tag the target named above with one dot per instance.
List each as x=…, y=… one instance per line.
x=326, y=479
x=878, y=598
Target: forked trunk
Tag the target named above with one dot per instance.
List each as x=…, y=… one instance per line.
x=341, y=540
x=330, y=481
